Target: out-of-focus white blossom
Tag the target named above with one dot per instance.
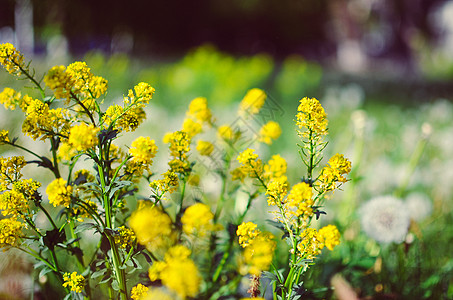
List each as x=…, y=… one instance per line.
x=419, y=206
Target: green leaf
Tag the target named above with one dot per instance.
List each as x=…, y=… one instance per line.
x=85, y=226
x=98, y=273
x=115, y=285
x=44, y=271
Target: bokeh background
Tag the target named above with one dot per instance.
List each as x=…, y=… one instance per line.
x=383, y=70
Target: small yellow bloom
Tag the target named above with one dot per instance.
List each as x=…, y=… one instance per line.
x=333, y=174
x=225, y=132
x=258, y=256
x=143, y=150
x=83, y=137
x=4, y=137
x=191, y=127
x=10, y=231
x=197, y=219
x=269, y=132
x=310, y=244
x=205, y=147
x=300, y=198
x=247, y=232
x=329, y=236
x=198, y=109
x=10, y=98
x=74, y=281
x=11, y=59
x=252, y=101
x=312, y=116
x=59, y=193
x=139, y=291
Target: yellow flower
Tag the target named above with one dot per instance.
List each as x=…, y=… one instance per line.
x=124, y=120
x=252, y=102
x=247, y=232
x=58, y=80
x=151, y=226
x=74, y=281
x=269, y=131
x=312, y=116
x=158, y=294
x=10, y=231
x=143, y=93
x=168, y=184
x=310, y=244
x=276, y=191
x=225, y=132
x=143, y=150
x=83, y=137
x=177, y=272
x=125, y=237
x=191, y=127
x=59, y=193
x=276, y=167
x=10, y=98
x=197, y=220
x=329, y=236
x=251, y=164
x=198, y=109
x=300, y=198
x=15, y=202
x=10, y=168
x=4, y=137
x=139, y=291
x=332, y=174
x=205, y=147
x=11, y=59
x=258, y=257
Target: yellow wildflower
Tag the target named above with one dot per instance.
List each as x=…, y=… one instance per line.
x=258, y=257
x=332, y=174
x=310, y=244
x=10, y=98
x=139, y=291
x=10, y=168
x=59, y=193
x=225, y=132
x=329, y=236
x=269, y=131
x=252, y=101
x=205, y=148
x=151, y=226
x=168, y=184
x=276, y=167
x=312, y=116
x=125, y=237
x=83, y=137
x=4, y=137
x=191, y=127
x=75, y=282
x=124, y=120
x=143, y=150
x=60, y=82
x=300, y=198
x=10, y=231
x=15, y=201
x=197, y=219
x=11, y=59
x=198, y=109
x=177, y=272
x=251, y=164
x=158, y=293
x=276, y=191
x=247, y=232
x=143, y=93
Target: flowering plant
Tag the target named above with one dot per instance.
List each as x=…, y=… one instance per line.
x=98, y=231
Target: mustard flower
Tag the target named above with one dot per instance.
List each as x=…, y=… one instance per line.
x=59, y=193
x=143, y=150
x=177, y=272
x=124, y=120
x=10, y=170
x=11, y=59
x=250, y=163
x=334, y=172
x=276, y=167
x=310, y=244
x=4, y=137
x=276, y=191
x=158, y=293
x=252, y=101
x=329, y=236
x=151, y=227
x=125, y=237
x=226, y=133
x=10, y=231
x=205, y=148
x=269, y=132
x=139, y=291
x=83, y=137
x=300, y=198
x=75, y=282
x=312, y=116
x=179, y=143
x=247, y=232
x=168, y=184
x=15, y=201
x=66, y=152
x=198, y=109
x=258, y=257
x=58, y=80
x=197, y=219
x=143, y=94
x=191, y=127
x=10, y=98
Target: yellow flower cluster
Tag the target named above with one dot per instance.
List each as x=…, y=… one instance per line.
x=123, y=119
x=312, y=116
x=125, y=237
x=276, y=191
x=258, y=256
x=11, y=59
x=197, y=220
x=4, y=137
x=276, y=168
x=83, y=137
x=14, y=202
x=75, y=282
x=332, y=174
x=10, y=98
x=226, y=133
x=247, y=232
x=59, y=193
x=179, y=147
x=205, y=148
x=191, y=127
x=313, y=241
x=168, y=184
x=10, y=231
x=198, y=109
x=300, y=198
x=151, y=226
x=158, y=293
x=269, y=132
x=143, y=150
x=10, y=168
x=251, y=164
x=252, y=102
x=139, y=291
x=177, y=272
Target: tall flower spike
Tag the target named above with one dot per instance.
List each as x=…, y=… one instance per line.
x=312, y=116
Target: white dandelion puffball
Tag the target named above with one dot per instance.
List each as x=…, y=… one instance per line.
x=419, y=206
x=386, y=219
